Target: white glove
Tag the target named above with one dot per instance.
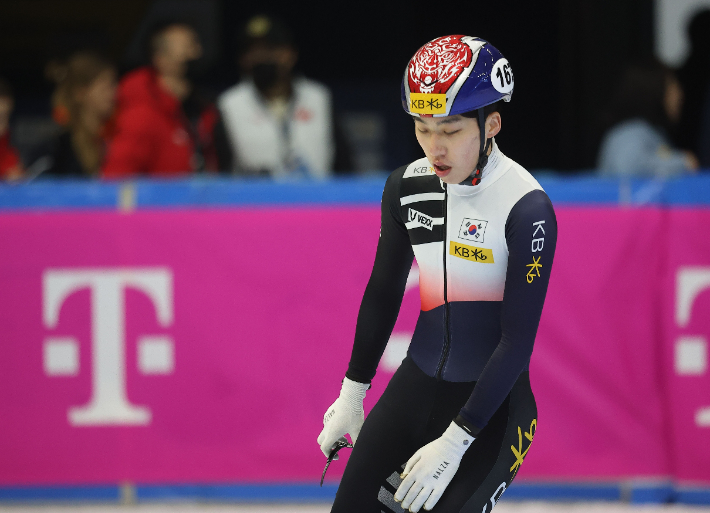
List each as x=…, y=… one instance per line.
x=345, y=415
x=430, y=470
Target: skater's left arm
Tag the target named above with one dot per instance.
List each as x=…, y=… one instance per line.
x=531, y=235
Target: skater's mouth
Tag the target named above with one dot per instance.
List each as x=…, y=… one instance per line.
x=441, y=169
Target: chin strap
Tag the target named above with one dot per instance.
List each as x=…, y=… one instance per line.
x=475, y=177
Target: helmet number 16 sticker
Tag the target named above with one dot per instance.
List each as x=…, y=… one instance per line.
x=502, y=76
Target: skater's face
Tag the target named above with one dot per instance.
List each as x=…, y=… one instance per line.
x=452, y=143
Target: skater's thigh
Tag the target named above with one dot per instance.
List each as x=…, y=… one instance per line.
x=391, y=434
x=490, y=465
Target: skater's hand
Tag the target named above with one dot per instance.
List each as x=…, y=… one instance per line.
x=427, y=474
x=345, y=415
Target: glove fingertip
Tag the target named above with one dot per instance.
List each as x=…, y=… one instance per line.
x=403, y=489
x=399, y=494
x=432, y=500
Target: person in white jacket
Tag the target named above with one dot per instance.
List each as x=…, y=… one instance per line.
x=277, y=124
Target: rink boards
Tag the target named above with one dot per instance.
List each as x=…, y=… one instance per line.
x=185, y=338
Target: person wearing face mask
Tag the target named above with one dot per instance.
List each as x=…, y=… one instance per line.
x=458, y=417
x=277, y=124
x=162, y=126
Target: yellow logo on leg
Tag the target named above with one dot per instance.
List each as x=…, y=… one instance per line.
x=519, y=453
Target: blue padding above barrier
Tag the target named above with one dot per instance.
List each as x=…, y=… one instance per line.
x=216, y=192
x=224, y=192
x=563, y=492
x=654, y=494
x=693, y=190
x=584, y=189
x=59, y=195
x=700, y=496
x=61, y=493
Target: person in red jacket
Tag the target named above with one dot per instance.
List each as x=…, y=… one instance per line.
x=162, y=127
x=10, y=165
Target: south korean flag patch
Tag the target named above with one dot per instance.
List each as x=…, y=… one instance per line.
x=473, y=229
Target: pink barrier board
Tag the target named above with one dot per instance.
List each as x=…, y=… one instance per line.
x=203, y=346
x=685, y=302
x=175, y=346
x=594, y=369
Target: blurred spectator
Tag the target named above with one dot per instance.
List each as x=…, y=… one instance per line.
x=644, y=110
x=704, y=138
x=278, y=124
x=83, y=104
x=694, y=77
x=162, y=126
x=10, y=165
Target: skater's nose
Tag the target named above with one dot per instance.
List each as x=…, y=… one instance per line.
x=437, y=147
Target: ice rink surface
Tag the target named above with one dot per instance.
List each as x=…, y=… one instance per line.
x=510, y=507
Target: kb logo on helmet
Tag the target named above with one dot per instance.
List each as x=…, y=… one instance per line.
x=424, y=103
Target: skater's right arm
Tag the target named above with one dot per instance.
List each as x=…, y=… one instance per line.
x=378, y=313
x=385, y=290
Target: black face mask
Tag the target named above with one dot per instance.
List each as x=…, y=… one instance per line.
x=265, y=75
x=194, y=70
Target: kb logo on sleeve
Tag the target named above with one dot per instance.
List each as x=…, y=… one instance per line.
x=538, y=242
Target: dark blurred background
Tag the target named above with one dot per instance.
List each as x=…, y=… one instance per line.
x=565, y=55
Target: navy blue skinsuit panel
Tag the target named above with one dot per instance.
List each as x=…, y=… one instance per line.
x=474, y=329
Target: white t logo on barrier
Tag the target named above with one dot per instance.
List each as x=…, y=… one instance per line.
x=691, y=351
x=109, y=404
